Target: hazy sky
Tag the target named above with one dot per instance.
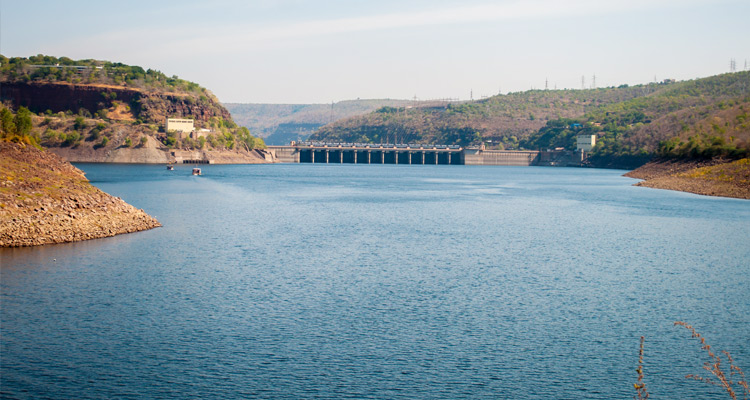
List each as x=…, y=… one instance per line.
x=295, y=51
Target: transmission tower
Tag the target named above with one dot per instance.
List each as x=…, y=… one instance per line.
x=583, y=82
x=546, y=84
x=732, y=65
x=593, y=83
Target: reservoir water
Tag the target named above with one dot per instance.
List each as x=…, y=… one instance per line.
x=387, y=281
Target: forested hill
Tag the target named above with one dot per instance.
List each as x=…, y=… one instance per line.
x=633, y=122
x=499, y=118
x=43, y=83
x=109, y=105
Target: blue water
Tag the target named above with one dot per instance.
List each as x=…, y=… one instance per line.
x=410, y=282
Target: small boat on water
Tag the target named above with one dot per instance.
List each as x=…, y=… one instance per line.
x=197, y=171
x=170, y=167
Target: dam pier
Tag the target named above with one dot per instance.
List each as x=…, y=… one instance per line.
x=411, y=154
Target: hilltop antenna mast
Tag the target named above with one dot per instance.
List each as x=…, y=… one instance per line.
x=593, y=84
x=732, y=65
x=471, y=94
x=546, y=84
x=583, y=82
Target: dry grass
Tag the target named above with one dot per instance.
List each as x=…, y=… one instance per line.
x=734, y=388
x=714, y=366
x=640, y=386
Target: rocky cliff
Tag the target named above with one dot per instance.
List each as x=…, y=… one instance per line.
x=45, y=200
x=148, y=106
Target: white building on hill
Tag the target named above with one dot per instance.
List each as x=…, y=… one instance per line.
x=180, y=125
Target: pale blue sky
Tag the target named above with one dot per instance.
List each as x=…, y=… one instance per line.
x=294, y=51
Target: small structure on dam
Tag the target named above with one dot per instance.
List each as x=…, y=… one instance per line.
x=410, y=154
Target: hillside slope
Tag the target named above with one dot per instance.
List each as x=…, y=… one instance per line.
x=94, y=108
x=707, y=177
x=45, y=200
x=700, y=118
x=498, y=120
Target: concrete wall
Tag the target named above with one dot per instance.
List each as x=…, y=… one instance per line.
x=500, y=157
x=284, y=154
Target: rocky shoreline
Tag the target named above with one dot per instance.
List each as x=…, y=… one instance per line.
x=45, y=200
x=154, y=153
x=706, y=177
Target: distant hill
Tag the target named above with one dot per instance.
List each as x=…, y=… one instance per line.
x=633, y=123
x=281, y=123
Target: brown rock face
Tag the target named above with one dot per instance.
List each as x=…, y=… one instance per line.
x=149, y=106
x=44, y=200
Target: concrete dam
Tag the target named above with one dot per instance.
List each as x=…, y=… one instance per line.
x=344, y=153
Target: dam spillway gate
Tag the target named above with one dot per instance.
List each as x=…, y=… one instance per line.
x=380, y=155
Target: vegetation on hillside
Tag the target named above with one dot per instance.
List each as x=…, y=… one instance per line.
x=114, y=121
x=501, y=121
x=53, y=69
x=70, y=130
x=699, y=118
x=17, y=127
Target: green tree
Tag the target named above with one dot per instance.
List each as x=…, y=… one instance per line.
x=8, y=126
x=23, y=121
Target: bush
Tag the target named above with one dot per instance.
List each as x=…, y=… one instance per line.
x=103, y=143
x=72, y=138
x=128, y=142
x=79, y=124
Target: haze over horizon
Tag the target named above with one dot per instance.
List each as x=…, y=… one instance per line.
x=293, y=51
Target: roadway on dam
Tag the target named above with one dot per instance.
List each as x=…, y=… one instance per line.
x=345, y=153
